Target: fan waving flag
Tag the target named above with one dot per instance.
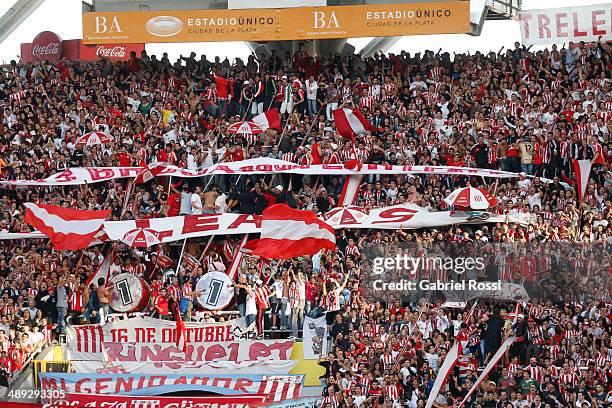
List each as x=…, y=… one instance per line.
x=68, y=228
x=268, y=119
x=351, y=123
x=582, y=171
x=288, y=233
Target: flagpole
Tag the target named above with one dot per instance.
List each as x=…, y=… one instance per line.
x=206, y=249
x=311, y=126
x=128, y=193
x=178, y=265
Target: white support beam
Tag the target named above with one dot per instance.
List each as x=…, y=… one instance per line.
x=16, y=15
x=378, y=44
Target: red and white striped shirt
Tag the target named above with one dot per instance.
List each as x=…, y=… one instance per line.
x=262, y=297
x=174, y=292
x=294, y=297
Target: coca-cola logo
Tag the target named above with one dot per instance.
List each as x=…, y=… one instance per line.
x=111, y=52
x=47, y=45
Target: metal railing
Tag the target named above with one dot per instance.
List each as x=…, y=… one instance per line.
x=40, y=366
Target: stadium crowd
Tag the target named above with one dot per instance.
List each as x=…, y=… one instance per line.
x=515, y=110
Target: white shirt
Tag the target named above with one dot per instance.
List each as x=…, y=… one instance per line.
x=196, y=204
x=311, y=89
x=221, y=203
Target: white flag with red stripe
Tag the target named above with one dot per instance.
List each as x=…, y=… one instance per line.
x=287, y=233
x=351, y=123
x=492, y=363
x=67, y=228
x=103, y=271
x=268, y=119
x=350, y=190
x=232, y=272
x=445, y=370
x=582, y=171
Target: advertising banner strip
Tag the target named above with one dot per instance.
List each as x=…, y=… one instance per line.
x=119, y=401
x=273, y=387
x=380, y=20
x=562, y=25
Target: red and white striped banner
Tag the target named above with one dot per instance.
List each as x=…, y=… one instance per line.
x=67, y=228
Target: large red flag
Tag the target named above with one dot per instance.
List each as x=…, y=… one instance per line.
x=288, y=233
x=351, y=123
x=68, y=228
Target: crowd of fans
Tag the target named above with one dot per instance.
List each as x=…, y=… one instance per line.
x=515, y=110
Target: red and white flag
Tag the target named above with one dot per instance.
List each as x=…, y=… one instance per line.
x=268, y=119
x=149, y=173
x=351, y=123
x=232, y=271
x=444, y=372
x=287, y=233
x=492, y=363
x=67, y=228
x=582, y=171
x=350, y=190
x=103, y=271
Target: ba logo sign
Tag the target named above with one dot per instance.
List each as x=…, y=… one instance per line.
x=324, y=20
x=107, y=25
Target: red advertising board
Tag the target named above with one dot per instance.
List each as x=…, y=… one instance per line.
x=48, y=46
x=114, y=52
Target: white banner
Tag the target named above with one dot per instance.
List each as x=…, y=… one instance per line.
x=149, y=339
x=170, y=229
x=187, y=368
x=315, y=337
x=407, y=216
x=264, y=165
x=189, y=226
x=562, y=25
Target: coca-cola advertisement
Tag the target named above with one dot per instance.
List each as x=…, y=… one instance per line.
x=46, y=46
x=114, y=52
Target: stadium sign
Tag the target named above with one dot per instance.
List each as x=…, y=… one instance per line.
x=297, y=23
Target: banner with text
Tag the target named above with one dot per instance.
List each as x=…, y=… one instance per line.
x=298, y=23
x=147, y=339
x=118, y=401
x=562, y=25
x=273, y=387
x=89, y=175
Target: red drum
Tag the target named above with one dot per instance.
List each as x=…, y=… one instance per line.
x=129, y=293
